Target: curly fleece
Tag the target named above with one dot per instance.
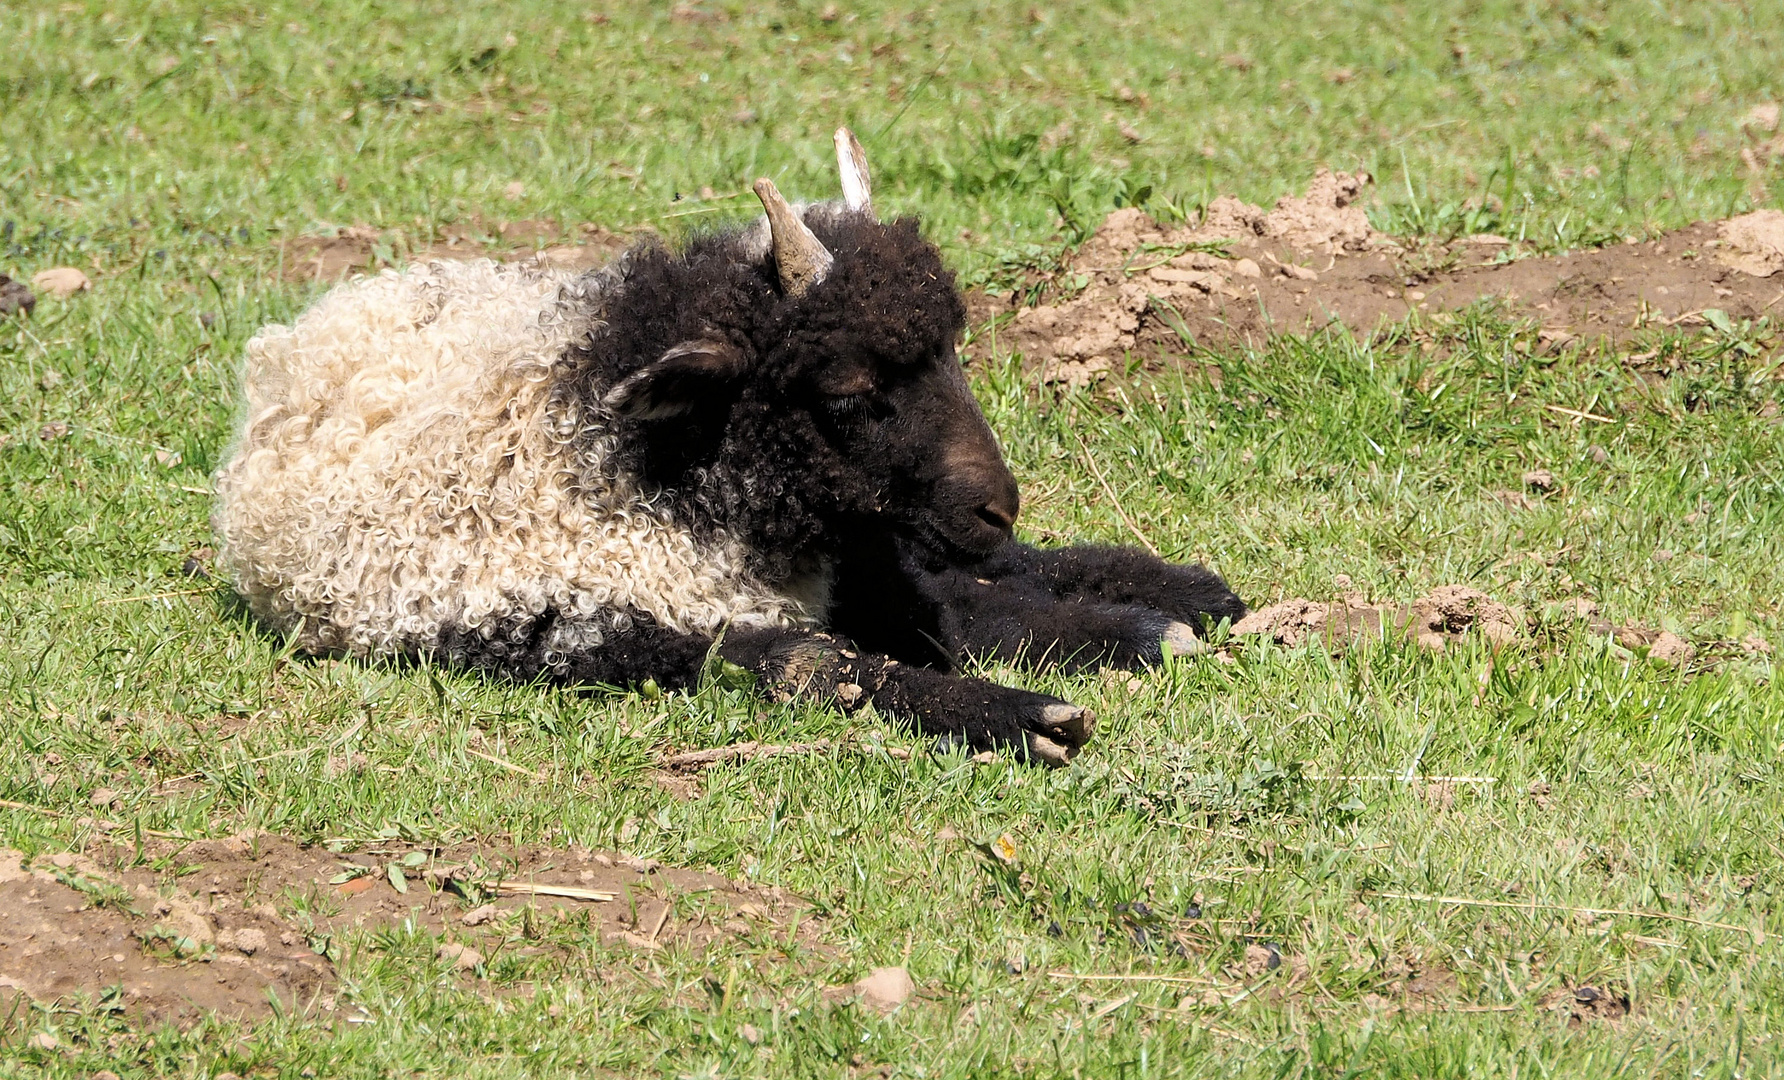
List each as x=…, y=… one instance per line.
x=414, y=462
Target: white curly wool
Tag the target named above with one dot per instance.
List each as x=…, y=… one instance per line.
x=407, y=465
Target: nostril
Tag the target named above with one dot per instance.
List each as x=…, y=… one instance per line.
x=997, y=517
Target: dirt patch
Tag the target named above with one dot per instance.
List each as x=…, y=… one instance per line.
x=357, y=249
x=222, y=926
x=1581, y=1004
x=1661, y=646
x=1448, y=613
x=1242, y=273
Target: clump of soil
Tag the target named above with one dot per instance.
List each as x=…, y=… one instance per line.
x=252, y=915
x=1242, y=273
x=1662, y=646
x=15, y=297
x=358, y=249
x=1753, y=243
x=1446, y=614
x=1581, y=1004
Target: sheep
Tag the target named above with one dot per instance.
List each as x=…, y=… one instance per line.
x=758, y=450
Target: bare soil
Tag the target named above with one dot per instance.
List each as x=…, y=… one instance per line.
x=183, y=929
x=1446, y=614
x=1242, y=274
x=357, y=249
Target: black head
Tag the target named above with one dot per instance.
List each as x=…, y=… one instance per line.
x=800, y=378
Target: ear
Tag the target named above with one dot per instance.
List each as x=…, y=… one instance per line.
x=678, y=380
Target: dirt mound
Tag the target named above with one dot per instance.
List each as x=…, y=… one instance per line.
x=1447, y=613
x=1242, y=273
x=231, y=923
x=359, y=249
x=1135, y=271
x=1753, y=243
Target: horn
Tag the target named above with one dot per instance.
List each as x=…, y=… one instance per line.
x=798, y=253
x=851, y=162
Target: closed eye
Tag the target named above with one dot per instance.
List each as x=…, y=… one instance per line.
x=857, y=406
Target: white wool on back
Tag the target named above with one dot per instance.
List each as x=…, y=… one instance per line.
x=409, y=462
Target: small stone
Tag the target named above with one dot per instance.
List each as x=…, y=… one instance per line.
x=60, y=282
x=43, y=1040
x=105, y=1074
x=103, y=798
x=1599, y=454
x=479, y=915
x=514, y=191
x=463, y=957
x=1248, y=268
x=749, y=1034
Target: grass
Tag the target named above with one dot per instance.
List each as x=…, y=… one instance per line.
x=169, y=148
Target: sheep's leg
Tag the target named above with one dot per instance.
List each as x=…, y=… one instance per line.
x=1079, y=607
x=791, y=663
x=795, y=663
x=1189, y=593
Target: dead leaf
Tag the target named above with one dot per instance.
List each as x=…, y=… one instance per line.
x=462, y=957
x=356, y=886
x=477, y=916
x=1004, y=847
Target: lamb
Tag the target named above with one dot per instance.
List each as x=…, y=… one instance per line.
x=759, y=450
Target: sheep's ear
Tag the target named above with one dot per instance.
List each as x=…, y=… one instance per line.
x=678, y=380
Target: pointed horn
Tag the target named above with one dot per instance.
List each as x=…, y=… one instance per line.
x=851, y=162
x=799, y=255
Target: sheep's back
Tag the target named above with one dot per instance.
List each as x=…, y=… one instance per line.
x=409, y=463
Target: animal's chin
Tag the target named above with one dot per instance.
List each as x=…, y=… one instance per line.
x=960, y=542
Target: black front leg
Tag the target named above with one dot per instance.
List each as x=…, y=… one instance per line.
x=1076, y=608
x=1191, y=594
x=787, y=663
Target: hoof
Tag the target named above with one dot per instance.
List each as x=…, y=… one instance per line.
x=1182, y=640
x=1069, y=724
x=1048, y=752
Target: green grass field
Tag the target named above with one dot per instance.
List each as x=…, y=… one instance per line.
x=169, y=148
